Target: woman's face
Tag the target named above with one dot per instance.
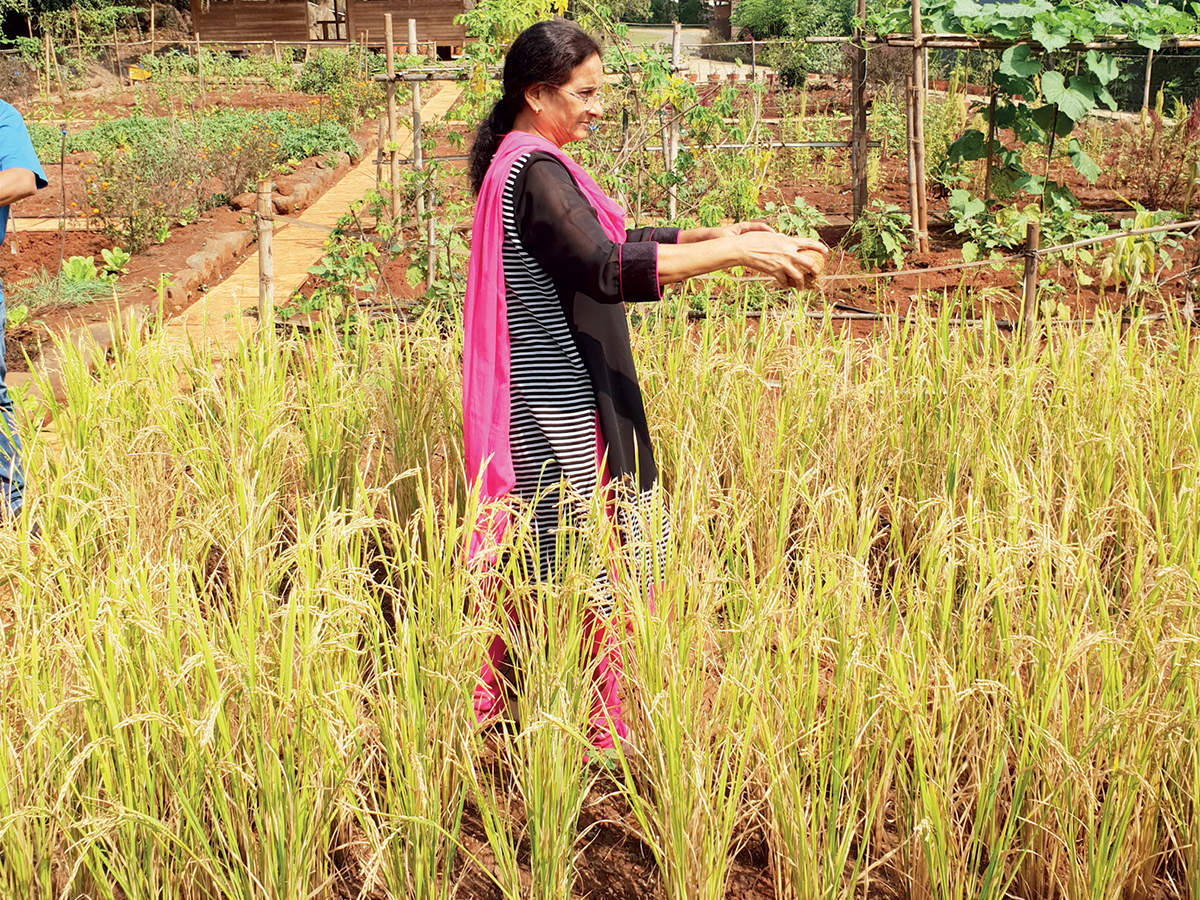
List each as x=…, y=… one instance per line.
x=565, y=112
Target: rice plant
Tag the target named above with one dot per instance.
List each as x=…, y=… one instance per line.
x=928, y=628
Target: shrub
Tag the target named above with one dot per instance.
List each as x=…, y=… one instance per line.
x=139, y=190
x=882, y=231
x=792, y=66
x=352, y=92
x=1156, y=158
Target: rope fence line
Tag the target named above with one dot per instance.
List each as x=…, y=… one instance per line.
x=954, y=321
x=977, y=263
x=1030, y=256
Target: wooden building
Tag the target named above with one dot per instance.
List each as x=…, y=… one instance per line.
x=304, y=21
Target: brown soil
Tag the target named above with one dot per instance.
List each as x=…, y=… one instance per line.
x=117, y=102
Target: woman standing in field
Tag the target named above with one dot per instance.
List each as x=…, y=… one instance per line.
x=551, y=403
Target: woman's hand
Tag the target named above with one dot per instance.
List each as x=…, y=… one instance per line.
x=794, y=262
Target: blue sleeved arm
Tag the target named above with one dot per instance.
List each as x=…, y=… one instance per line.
x=16, y=149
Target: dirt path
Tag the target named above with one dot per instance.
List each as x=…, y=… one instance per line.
x=219, y=316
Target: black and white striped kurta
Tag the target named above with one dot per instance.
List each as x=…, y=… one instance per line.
x=571, y=368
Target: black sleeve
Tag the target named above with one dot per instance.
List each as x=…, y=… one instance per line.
x=559, y=228
x=656, y=233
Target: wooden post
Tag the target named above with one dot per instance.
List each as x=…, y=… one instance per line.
x=753, y=59
x=858, y=124
x=275, y=52
x=153, y=31
x=1029, y=313
x=116, y=55
x=199, y=68
x=1149, y=73
x=430, y=247
x=909, y=100
x=673, y=129
x=991, y=143
x=46, y=62
x=394, y=163
x=418, y=155
x=919, y=125
x=266, y=256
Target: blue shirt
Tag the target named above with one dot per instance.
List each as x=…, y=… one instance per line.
x=16, y=152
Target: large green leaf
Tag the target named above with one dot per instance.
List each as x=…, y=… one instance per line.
x=1083, y=163
x=1103, y=66
x=1075, y=99
x=1047, y=121
x=1052, y=35
x=1016, y=62
x=972, y=145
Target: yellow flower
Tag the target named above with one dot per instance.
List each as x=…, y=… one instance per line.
x=95, y=210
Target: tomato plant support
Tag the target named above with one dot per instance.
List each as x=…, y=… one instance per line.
x=918, y=117
x=858, y=96
x=393, y=161
x=1033, y=234
x=914, y=218
x=673, y=133
x=200, y=68
x=418, y=162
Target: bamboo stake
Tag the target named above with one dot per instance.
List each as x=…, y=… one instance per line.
x=673, y=130
x=919, y=126
x=1149, y=73
x=46, y=61
x=275, y=52
x=379, y=159
x=430, y=247
x=199, y=68
x=62, y=84
x=117, y=56
x=394, y=161
x=991, y=141
x=914, y=214
x=266, y=256
x=1029, y=313
x=153, y=34
x=417, y=155
x=858, y=102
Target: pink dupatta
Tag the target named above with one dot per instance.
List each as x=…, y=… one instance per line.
x=486, y=397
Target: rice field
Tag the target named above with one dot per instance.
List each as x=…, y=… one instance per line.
x=930, y=629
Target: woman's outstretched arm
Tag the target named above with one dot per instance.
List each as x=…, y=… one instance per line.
x=794, y=262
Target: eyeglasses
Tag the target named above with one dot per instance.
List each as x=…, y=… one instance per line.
x=589, y=97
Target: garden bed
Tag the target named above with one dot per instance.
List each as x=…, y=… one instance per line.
x=215, y=242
